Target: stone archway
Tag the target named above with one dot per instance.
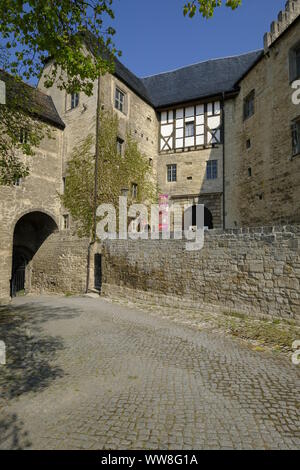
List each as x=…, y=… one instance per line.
x=190, y=216
x=30, y=232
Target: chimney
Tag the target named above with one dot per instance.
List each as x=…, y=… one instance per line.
x=285, y=18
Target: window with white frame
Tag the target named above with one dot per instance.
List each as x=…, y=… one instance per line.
x=190, y=129
x=171, y=173
x=74, y=100
x=212, y=169
x=120, y=100
x=134, y=190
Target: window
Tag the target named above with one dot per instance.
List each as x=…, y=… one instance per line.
x=134, y=190
x=248, y=144
x=295, y=63
x=120, y=100
x=120, y=143
x=190, y=129
x=171, y=173
x=66, y=221
x=249, y=105
x=249, y=172
x=64, y=183
x=296, y=137
x=23, y=136
x=74, y=100
x=212, y=169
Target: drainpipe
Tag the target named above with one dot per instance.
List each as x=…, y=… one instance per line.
x=97, y=152
x=223, y=117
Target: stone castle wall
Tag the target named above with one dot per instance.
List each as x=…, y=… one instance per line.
x=252, y=271
x=59, y=266
x=262, y=182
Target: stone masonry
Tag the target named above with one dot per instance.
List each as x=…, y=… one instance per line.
x=256, y=271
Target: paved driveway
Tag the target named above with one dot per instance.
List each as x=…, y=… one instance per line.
x=86, y=373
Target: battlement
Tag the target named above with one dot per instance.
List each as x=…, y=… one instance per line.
x=285, y=19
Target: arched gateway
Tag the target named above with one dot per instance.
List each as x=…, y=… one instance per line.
x=30, y=232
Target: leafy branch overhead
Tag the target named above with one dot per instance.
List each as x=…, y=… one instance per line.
x=35, y=31
x=207, y=7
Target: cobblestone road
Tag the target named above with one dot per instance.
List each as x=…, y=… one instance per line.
x=85, y=373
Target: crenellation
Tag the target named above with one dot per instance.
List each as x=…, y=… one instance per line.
x=285, y=19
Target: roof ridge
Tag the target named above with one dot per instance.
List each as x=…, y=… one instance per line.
x=201, y=62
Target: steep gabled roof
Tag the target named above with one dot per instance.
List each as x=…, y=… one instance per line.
x=185, y=84
x=32, y=100
x=200, y=80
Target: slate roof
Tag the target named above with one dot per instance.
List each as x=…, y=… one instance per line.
x=200, y=80
x=38, y=103
x=193, y=82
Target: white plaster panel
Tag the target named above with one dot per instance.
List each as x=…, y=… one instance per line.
x=200, y=119
x=189, y=111
x=179, y=133
x=213, y=122
x=199, y=130
x=166, y=130
x=179, y=143
x=200, y=140
x=189, y=142
x=179, y=113
x=179, y=123
x=200, y=109
x=164, y=117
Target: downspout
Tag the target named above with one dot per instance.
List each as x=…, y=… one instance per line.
x=223, y=117
x=97, y=151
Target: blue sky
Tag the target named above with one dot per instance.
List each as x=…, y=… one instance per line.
x=154, y=36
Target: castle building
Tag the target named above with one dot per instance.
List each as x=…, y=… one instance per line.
x=224, y=133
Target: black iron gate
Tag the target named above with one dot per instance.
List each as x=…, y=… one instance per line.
x=17, y=283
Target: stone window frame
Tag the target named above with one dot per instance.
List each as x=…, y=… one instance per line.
x=172, y=173
x=134, y=190
x=66, y=221
x=212, y=169
x=249, y=105
x=295, y=135
x=294, y=62
x=118, y=105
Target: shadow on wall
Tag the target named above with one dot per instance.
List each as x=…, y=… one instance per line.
x=30, y=232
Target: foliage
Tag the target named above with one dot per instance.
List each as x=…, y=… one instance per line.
x=207, y=7
x=115, y=172
x=38, y=30
x=20, y=132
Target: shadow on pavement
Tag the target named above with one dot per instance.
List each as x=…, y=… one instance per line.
x=12, y=436
x=30, y=352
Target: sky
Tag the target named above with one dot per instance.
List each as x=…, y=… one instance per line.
x=155, y=37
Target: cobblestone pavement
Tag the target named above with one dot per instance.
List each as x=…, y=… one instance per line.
x=85, y=373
